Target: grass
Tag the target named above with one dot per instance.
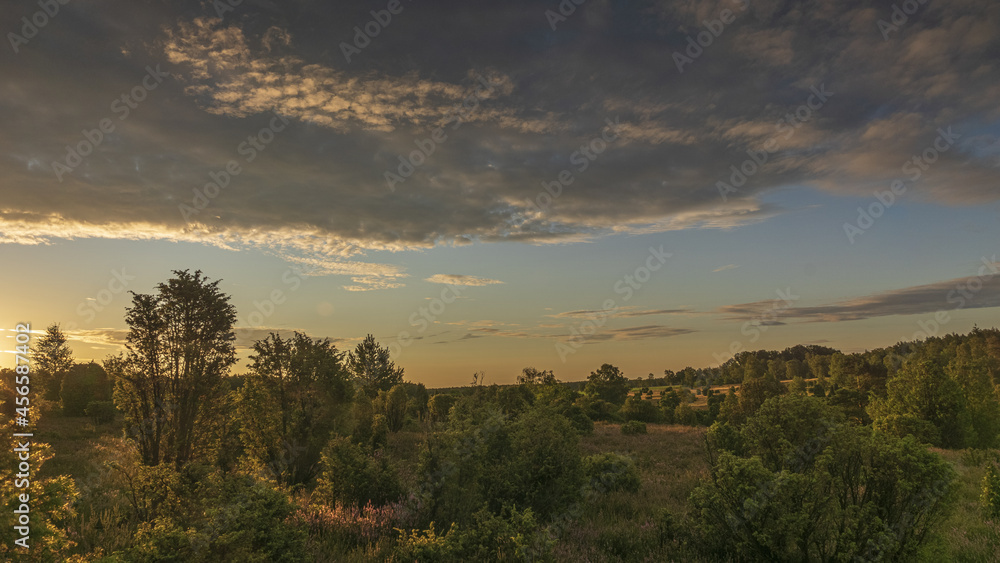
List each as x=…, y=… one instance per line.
x=625, y=526
x=966, y=536
x=620, y=527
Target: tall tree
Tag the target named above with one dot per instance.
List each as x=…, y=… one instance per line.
x=294, y=397
x=608, y=383
x=53, y=359
x=179, y=346
x=372, y=367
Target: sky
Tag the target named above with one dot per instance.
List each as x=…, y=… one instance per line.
x=486, y=186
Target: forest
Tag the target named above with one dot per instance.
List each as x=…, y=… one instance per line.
x=310, y=453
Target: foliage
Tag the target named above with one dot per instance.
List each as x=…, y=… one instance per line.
x=355, y=476
x=50, y=501
x=609, y=384
x=393, y=406
x=488, y=460
x=291, y=402
x=101, y=412
x=633, y=427
x=636, y=408
x=809, y=487
x=922, y=392
x=372, y=367
x=990, y=497
x=169, y=382
x=609, y=472
x=510, y=535
x=439, y=405
x=211, y=516
x=52, y=359
x=82, y=384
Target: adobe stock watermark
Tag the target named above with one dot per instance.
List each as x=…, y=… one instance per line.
x=785, y=128
x=291, y=280
x=87, y=309
x=914, y=168
x=959, y=297
x=122, y=107
x=31, y=25
x=423, y=317
x=222, y=7
x=713, y=29
x=220, y=179
x=581, y=158
x=363, y=35
x=760, y=324
x=899, y=17
x=566, y=9
x=426, y=146
x=626, y=286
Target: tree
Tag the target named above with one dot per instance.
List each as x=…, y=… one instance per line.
x=795, y=369
x=531, y=376
x=84, y=383
x=52, y=359
x=168, y=383
x=819, y=366
x=609, y=384
x=636, y=408
x=809, y=487
x=292, y=401
x=439, y=405
x=393, y=406
x=353, y=476
x=372, y=367
x=922, y=393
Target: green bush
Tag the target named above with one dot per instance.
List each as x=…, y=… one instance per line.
x=633, y=427
x=578, y=418
x=207, y=516
x=84, y=383
x=354, y=476
x=636, y=408
x=511, y=535
x=608, y=472
x=810, y=487
x=990, y=497
x=101, y=412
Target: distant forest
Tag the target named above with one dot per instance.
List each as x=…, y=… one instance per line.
x=162, y=453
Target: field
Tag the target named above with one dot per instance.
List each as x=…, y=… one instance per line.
x=621, y=526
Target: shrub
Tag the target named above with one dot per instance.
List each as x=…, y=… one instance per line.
x=84, y=383
x=633, y=427
x=511, y=535
x=608, y=472
x=793, y=494
x=636, y=408
x=355, y=476
x=101, y=412
x=209, y=516
x=990, y=497
x=579, y=419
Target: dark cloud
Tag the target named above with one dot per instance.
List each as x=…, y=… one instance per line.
x=980, y=291
x=317, y=194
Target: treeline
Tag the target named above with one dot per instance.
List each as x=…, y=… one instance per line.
x=310, y=455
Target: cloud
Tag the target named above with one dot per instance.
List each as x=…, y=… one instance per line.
x=975, y=292
x=460, y=279
x=317, y=193
x=631, y=333
x=621, y=312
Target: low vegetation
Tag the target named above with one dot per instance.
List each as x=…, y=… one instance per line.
x=317, y=454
